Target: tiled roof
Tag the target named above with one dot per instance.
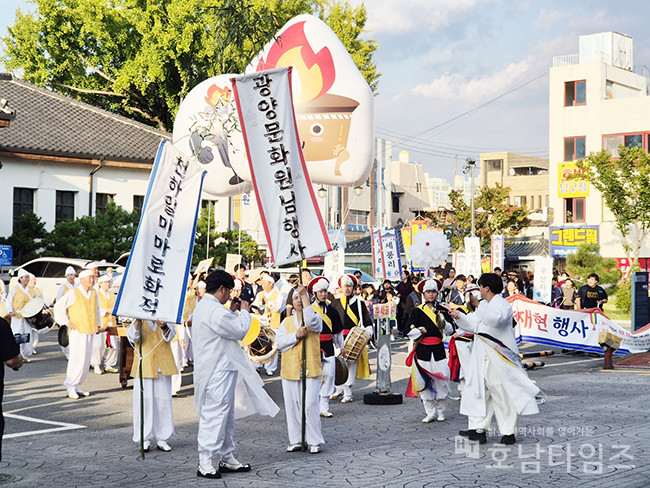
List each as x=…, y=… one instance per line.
x=49, y=123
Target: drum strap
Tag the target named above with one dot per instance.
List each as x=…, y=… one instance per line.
x=349, y=312
x=431, y=315
x=323, y=315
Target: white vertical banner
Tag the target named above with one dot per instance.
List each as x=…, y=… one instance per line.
x=498, y=252
x=156, y=274
x=386, y=262
x=458, y=262
x=334, y=263
x=473, y=256
x=292, y=222
x=543, y=280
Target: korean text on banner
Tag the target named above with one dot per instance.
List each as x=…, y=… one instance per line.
x=291, y=218
x=498, y=251
x=387, y=263
x=156, y=274
x=543, y=280
x=334, y=263
x=473, y=256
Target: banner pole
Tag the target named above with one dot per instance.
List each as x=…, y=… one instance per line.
x=141, y=392
x=303, y=375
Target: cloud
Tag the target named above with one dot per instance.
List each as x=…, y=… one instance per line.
x=549, y=19
x=475, y=89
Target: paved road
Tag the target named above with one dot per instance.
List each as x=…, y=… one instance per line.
x=593, y=430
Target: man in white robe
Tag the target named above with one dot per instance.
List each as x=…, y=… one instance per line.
x=305, y=324
x=17, y=299
x=69, y=283
x=220, y=368
x=496, y=383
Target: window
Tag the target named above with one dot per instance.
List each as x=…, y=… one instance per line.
x=574, y=148
x=575, y=93
x=56, y=269
x=494, y=164
x=37, y=268
x=520, y=201
x=611, y=143
x=101, y=202
x=23, y=202
x=64, y=206
x=395, y=203
x=138, y=203
x=574, y=210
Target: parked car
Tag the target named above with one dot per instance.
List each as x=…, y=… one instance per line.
x=50, y=272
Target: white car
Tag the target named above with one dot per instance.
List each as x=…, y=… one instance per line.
x=50, y=272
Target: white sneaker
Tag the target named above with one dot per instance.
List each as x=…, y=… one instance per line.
x=73, y=395
x=98, y=370
x=429, y=418
x=294, y=448
x=441, y=417
x=346, y=400
x=163, y=446
x=314, y=449
x=83, y=393
x=326, y=415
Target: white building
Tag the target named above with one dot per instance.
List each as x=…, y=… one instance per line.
x=438, y=191
x=596, y=101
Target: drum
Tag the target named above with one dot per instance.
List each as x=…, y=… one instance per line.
x=341, y=375
x=42, y=322
x=32, y=307
x=262, y=349
x=354, y=344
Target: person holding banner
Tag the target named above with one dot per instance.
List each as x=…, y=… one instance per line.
x=496, y=383
x=158, y=367
x=79, y=311
x=270, y=301
x=331, y=334
x=353, y=312
x=301, y=329
x=430, y=371
x=219, y=362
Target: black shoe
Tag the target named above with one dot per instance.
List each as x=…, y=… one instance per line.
x=467, y=433
x=508, y=439
x=201, y=473
x=234, y=468
x=478, y=436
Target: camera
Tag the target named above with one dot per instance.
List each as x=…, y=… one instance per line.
x=22, y=338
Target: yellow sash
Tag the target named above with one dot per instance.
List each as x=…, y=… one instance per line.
x=429, y=313
x=323, y=316
x=348, y=310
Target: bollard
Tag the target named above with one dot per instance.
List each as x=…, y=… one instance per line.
x=536, y=354
x=534, y=365
x=609, y=355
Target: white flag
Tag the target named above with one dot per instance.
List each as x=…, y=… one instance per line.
x=291, y=218
x=156, y=275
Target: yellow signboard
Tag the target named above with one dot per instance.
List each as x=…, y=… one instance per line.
x=571, y=188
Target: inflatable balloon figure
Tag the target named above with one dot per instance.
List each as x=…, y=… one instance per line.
x=332, y=101
x=207, y=127
x=430, y=248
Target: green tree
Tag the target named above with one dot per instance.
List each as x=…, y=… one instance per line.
x=105, y=236
x=27, y=238
x=624, y=183
x=222, y=243
x=492, y=215
x=141, y=58
x=587, y=260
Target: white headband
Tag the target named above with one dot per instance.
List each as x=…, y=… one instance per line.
x=268, y=278
x=85, y=273
x=22, y=272
x=70, y=271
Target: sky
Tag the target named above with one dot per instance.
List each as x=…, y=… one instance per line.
x=462, y=77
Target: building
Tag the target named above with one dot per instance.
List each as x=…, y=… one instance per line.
x=439, y=189
x=410, y=196
x=597, y=100
x=63, y=159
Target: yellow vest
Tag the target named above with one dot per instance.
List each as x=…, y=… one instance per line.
x=107, y=303
x=154, y=359
x=276, y=317
x=20, y=299
x=83, y=312
x=292, y=359
x=189, y=305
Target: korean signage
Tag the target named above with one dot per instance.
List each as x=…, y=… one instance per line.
x=472, y=256
x=543, y=280
x=385, y=255
x=334, y=263
x=571, y=188
x=408, y=233
x=291, y=218
x=498, y=251
x=156, y=275
x=565, y=240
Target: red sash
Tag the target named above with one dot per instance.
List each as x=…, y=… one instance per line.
x=325, y=337
x=427, y=341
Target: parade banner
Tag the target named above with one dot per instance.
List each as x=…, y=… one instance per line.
x=334, y=262
x=386, y=259
x=498, y=252
x=572, y=329
x=543, y=280
x=156, y=274
x=408, y=234
x=473, y=256
x=291, y=218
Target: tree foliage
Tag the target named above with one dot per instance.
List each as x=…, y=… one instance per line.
x=587, y=260
x=29, y=232
x=222, y=243
x=492, y=215
x=105, y=236
x=625, y=187
x=140, y=58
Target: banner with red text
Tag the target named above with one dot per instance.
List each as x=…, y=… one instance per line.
x=572, y=329
x=291, y=218
x=156, y=274
x=386, y=260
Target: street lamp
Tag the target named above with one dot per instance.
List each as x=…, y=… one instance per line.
x=322, y=191
x=358, y=190
x=469, y=168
